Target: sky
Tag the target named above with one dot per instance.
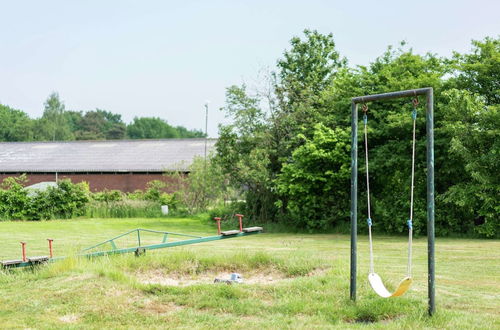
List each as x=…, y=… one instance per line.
x=167, y=58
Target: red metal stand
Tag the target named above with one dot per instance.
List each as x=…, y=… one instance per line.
x=240, y=218
x=218, y=224
x=23, y=246
x=50, y=247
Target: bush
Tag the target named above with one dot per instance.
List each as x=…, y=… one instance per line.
x=136, y=195
x=108, y=196
x=66, y=200
x=154, y=190
x=226, y=212
x=14, y=200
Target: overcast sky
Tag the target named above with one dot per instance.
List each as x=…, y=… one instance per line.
x=165, y=58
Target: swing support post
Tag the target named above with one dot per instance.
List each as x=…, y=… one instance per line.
x=428, y=93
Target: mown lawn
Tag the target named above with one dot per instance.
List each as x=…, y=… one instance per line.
x=293, y=281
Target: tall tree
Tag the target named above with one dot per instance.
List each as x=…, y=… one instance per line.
x=54, y=124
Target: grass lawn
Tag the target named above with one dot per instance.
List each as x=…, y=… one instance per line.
x=292, y=281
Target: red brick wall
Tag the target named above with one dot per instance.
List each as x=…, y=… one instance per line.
x=126, y=182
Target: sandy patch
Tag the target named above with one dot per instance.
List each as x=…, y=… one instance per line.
x=69, y=318
x=159, y=277
x=266, y=277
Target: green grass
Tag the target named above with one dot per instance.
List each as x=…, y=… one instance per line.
x=310, y=289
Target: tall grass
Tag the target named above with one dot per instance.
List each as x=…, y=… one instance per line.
x=124, y=209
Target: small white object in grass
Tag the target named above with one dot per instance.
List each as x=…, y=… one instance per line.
x=164, y=209
x=234, y=278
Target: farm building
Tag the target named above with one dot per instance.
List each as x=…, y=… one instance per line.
x=125, y=165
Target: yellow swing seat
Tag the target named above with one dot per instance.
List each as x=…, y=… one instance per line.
x=380, y=289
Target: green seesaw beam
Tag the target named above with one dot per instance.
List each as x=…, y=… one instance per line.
x=137, y=249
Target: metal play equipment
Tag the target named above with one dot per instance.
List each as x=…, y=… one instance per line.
x=138, y=245
x=374, y=279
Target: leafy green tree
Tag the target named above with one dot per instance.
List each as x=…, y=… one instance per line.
x=307, y=68
x=15, y=125
x=157, y=128
x=100, y=125
x=473, y=198
x=316, y=179
x=54, y=124
x=204, y=186
x=243, y=151
x=74, y=118
x=479, y=71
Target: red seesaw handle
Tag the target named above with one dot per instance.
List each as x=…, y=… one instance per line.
x=240, y=218
x=218, y=224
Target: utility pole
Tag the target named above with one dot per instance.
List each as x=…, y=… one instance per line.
x=206, y=130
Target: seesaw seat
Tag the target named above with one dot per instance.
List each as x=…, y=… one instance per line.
x=380, y=289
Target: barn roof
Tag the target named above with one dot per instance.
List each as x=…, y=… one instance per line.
x=101, y=156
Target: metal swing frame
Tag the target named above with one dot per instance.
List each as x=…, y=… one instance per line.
x=429, y=115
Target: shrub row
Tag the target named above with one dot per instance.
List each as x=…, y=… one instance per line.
x=69, y=200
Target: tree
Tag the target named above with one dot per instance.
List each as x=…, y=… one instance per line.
x=243, y=151
x=204, y=186
x=307, y=68
x=479, y=71
x=15, y=125
x=475, y=129
x=100, y=125
x=54, y=124
x=157, y=128
x=316, y=179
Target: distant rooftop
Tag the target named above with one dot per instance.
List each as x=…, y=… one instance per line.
x=101, y=156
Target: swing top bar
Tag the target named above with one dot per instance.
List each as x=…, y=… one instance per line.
x=392, y=95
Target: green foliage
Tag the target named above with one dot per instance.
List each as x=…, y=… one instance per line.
x=479, y=71
x=99, y=125
x=14, y=198
x=244, y=152
x=59, y=124
x=15, y=125
x=227, y=211
x=154, y=190
x=205, y=186
x=67, y=200
x=136, y=194
x=54, y=124
x=314, y=184
x=156, y=128
x=475, y=144
x=271, y=150
x=108, y=196
x=125, y=208
x=307, y=68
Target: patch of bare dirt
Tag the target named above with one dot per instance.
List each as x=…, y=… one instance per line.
x=159, y=277
x=69, y=318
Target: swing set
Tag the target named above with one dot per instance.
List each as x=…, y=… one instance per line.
x=374, y=279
